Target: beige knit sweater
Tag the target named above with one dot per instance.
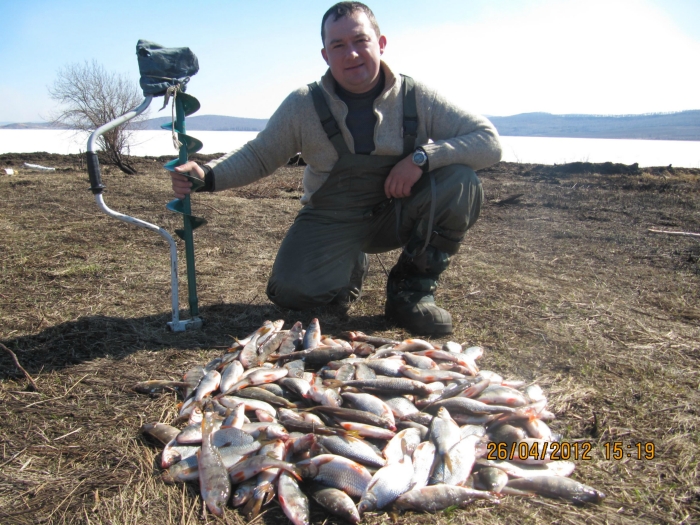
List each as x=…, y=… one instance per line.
x=458, y=136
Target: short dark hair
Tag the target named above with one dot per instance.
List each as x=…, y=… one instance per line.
x=342, y=9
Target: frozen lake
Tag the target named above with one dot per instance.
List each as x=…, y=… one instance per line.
x=540, y=150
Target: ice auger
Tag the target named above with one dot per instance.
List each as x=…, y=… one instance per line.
x=164, y=72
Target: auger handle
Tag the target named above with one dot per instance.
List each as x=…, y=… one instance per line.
x=93, y=164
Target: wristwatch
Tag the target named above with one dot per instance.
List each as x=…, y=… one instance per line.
x=420, y=159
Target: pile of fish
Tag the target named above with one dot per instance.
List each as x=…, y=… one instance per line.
x=360, y=424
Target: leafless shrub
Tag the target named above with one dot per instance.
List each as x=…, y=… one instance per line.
x=90, y=97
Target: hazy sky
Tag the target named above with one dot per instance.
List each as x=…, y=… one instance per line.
x=496, y=57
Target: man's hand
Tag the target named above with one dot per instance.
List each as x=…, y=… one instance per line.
x=401, y=178
x=182, y=186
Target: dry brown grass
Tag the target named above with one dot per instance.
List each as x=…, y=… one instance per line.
x=564, y=287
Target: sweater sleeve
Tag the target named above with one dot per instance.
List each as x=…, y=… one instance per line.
x=272, y=148
x=459, y=136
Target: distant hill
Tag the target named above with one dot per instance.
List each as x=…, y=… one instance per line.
x=210, y=123
x=684, y=125
x=33, y=125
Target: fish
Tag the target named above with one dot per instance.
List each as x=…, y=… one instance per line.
x=491, y=479
x=557, y=487
x=336, y=502
x=471, y=406
x=243, y=493
x=352, y=448
x=429, y=376
x=268, y=347
x=293, y=501
x=444, y=432
x=156, y=386
x=458, y=462
x=372, y=404
x=391, y=423
x=502, y=395
x=338, y=472
x=260, y=394
x=249, y=353
x=387, y=484
x=359, y=416
x=209, y=383
x=265, y=483
x=292, y=340
x=364, y=338
x=231, y=375
x=438, y=497
x=312, y=337
x=384, y=385
x=368, y=431
x=544, y=470
x=174, y=453
x=404, y=442
x=160, y=431
x=250, y=467
x=259, y=377
x=318, y=355
x=214, y=482
x=423, y=460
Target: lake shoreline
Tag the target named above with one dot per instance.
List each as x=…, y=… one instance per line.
x=76, y=161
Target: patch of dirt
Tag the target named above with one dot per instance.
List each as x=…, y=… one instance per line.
x=560, y=281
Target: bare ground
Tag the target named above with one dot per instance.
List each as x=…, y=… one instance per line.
x=563, y=285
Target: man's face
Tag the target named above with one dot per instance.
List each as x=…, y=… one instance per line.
x=352, y=49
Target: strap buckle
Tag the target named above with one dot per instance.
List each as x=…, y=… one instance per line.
x=330, y=126
x=410, y=126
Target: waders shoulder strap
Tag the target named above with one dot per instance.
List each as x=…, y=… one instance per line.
x=410, y=115
x=330, y=125
x=410, y=135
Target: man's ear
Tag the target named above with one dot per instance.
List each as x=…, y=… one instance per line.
x=382, y=44
x=324, y=55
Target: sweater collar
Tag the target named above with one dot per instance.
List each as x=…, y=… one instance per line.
x=390, y=82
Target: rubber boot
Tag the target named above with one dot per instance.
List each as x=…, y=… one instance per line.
x=410, y=302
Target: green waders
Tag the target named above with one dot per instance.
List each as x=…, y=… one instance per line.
x=323, y=258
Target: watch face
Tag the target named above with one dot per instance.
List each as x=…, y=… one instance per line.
x=419, y=158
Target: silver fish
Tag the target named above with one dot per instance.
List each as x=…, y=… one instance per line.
x=370, y=403
x=352, y=448
x=558, y=487
x=214, y=482
x=160, y=431
x=292, y=340
x=423, y=459
x=338, y=472
x=208, y=384
x=231, y=375
x=293, y=501
x=312, y=337
x=491, y=479
x=438, y=497
x=336, y=502
x=387, y=484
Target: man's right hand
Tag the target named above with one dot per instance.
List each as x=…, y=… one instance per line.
x=182, y=186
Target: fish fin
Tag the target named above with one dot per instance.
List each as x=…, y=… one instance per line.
x=448, y=461
x=252, y=508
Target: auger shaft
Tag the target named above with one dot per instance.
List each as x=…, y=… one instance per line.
x=187, y=213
